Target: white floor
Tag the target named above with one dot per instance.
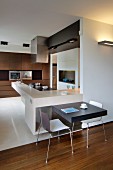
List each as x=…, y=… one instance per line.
x=13, y=128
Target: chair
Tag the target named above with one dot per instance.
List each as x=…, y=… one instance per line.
x=52, y=126
x=88, y=121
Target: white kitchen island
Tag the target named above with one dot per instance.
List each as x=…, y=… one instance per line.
x=34, y=99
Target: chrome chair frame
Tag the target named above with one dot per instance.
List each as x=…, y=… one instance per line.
x=46, y=123
x=87, y=122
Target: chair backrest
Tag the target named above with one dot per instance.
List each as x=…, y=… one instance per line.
x=95, y=103
x=45, y=120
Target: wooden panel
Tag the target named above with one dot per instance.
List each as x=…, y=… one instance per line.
x=6, y=88
x=4, y=61
x=36, y=66
x=15, y=61
x=26, y=62
x=46, y=71
x=5, y=83
x=54, y=78
x=46, y=82
x=32, y=81
x=8, y=94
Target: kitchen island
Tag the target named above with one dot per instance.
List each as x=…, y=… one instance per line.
x=33, y=99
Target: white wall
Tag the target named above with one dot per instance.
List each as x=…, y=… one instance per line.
x=97, y=64
x=15, y=48
x=68, y=60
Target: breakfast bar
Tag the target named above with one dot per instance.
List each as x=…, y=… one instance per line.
x=34, y=99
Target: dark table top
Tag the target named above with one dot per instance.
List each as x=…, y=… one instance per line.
x=83, y=114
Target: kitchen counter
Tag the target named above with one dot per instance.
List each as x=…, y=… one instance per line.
x=34, y=99
x=34, y=93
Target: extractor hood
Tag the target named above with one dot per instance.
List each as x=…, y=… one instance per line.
x=39, y=50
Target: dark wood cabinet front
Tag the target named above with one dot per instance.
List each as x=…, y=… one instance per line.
x=19, y=61
x=26, y=62
x=15, y=62
x=4, y=61
x=45, y=71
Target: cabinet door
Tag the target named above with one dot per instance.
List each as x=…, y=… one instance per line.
x=6, y=90
x=4, y=61
x=36, y=66
x=46, y=71
x=15, y=61
x=26, y=62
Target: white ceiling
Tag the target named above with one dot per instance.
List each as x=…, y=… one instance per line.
x=22, y=20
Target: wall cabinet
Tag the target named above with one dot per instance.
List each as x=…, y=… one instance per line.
x=45, y=71
x=4, y=61
x=26, y=62
x=18, y=61
x=37, y=66
x=15, y=62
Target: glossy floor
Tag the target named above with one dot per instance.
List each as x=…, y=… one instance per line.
x=13, y=128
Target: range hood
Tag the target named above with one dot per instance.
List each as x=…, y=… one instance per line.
x=39, y=50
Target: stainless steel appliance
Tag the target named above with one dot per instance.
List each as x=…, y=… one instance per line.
x=14, y=75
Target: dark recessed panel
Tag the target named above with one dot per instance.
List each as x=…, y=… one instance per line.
x=4, y=75
x=37, y=75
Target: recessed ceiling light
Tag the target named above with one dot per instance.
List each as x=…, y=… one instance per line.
x=26, y=45
x=4, y=43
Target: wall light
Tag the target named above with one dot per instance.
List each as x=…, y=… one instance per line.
x=105, y=42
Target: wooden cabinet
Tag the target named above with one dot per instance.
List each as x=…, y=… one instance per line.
x=26, y=62
x=6, y=90
x=15, y=62
x=4, y=61
x=36, y=66
x=54, y=77
x=45, y=71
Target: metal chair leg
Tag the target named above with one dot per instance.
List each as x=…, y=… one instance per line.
x=71, y=137
x=73, y=127
x=104, y=131
x=87, y=134
x=48, y=150
x=38, y=134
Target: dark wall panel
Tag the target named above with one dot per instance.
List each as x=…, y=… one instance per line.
x=37, y=75
x=4, y=75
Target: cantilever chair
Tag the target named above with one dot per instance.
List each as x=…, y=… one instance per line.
x=88, y=121
x=52, y=126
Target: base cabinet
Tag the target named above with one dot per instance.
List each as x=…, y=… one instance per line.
x=6, y=90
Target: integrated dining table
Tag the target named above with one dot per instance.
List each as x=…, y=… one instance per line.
x=77, y=113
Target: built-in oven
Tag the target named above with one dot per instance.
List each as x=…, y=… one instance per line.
x=14, y=75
